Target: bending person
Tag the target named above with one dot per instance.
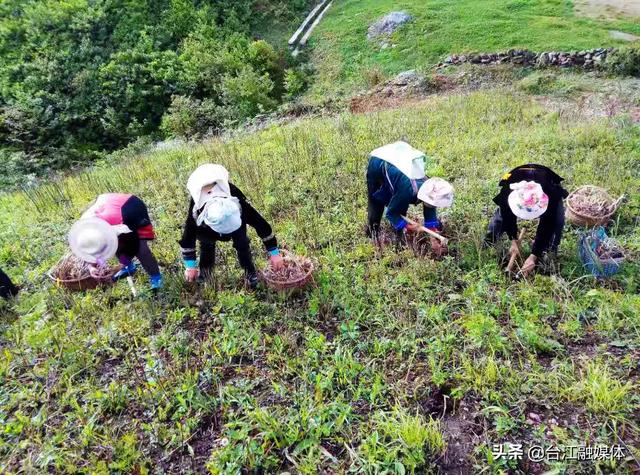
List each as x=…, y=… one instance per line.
x=116, y=224
x=219, y=211
x=395, y=180
x=529, y=192
x=7, y=288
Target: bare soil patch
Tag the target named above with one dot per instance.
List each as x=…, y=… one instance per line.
x=608, y=8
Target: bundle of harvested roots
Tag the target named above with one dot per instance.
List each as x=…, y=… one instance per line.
x=592, y=201
x=609, y=249
x=296, y=270
x=102, y=273
x=71, y=267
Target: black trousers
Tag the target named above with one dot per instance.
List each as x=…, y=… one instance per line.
x=375, y=210
x=495, y=230
x=7, y=289
x=241, y=244
x=145, y=256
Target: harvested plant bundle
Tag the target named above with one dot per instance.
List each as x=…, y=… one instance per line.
x=590, y=205
x=420, y=244
x=295, y=272
x=102, y=273
x=71, y=267
x=75, y=274
x=609, y=249
x=600, y=254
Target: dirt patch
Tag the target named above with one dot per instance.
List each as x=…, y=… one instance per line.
x=462, y=434
x=608, y=8
x=204, y=439
x=621, y=35
x=406, y=87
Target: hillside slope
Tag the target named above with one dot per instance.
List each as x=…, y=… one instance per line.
x=346, y=60
x=388, y=363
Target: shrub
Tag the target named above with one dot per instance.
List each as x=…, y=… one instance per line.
x=77, y=78
x=624, y=62
x=295, y=82
x=188, y=117
x=247, y=94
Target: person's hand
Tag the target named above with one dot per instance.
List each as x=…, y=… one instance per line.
x=528, y=265
x=94, y=271
x=191, y=274
x=412, y=227
x=515, y=248
x=276, y=261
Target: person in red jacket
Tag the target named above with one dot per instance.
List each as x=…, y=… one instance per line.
x=117, y=224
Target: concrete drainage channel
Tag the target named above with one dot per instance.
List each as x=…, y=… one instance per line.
x=303, y=33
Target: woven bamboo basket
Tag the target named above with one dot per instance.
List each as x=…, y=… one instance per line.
x=301, y=281
x=582, y=219
x=86, y=282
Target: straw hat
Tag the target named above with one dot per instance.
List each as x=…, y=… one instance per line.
x=93, y=240
x=527, y=200
x=204, y=175
x=436, y=192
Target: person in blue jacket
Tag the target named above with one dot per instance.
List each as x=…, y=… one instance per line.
x=396, y=180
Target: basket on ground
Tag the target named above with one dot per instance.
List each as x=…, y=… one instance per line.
x=600, y=255
x=73, y=274
x=296, y=272
x=590, y=206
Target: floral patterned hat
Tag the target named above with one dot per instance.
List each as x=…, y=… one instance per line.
x=527, y=200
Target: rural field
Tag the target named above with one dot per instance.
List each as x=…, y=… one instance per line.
x=389, y=363
x=346, y=61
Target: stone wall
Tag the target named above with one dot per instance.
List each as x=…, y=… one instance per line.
x=586, y=59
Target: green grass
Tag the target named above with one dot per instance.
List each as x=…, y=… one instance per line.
x=344, y=57
x=374, y=369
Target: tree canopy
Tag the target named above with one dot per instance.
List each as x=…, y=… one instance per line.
x=80, y=77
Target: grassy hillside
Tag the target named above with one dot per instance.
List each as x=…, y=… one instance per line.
x=346, y=60
x=389, y=363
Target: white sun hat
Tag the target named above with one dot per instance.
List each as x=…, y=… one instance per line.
x=527, y=200
x=223, y=215
x=208, y=174
x=404, y=157
x=93, y=240
x=436, y=192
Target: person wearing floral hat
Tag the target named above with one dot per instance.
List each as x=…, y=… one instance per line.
x=396, y=179
x=7, y=288
x=529, y=192
x=219, y=211
x=116, y=224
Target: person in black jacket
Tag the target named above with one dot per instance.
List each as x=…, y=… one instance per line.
x=7, y=289
x=528, y=192
x=219, y=211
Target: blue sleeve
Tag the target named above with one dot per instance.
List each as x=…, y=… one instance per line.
x=430, y=216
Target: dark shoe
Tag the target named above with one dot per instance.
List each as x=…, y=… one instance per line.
x=373, y=230
x=252, y=280
x=125, y=272
x=489, y=241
